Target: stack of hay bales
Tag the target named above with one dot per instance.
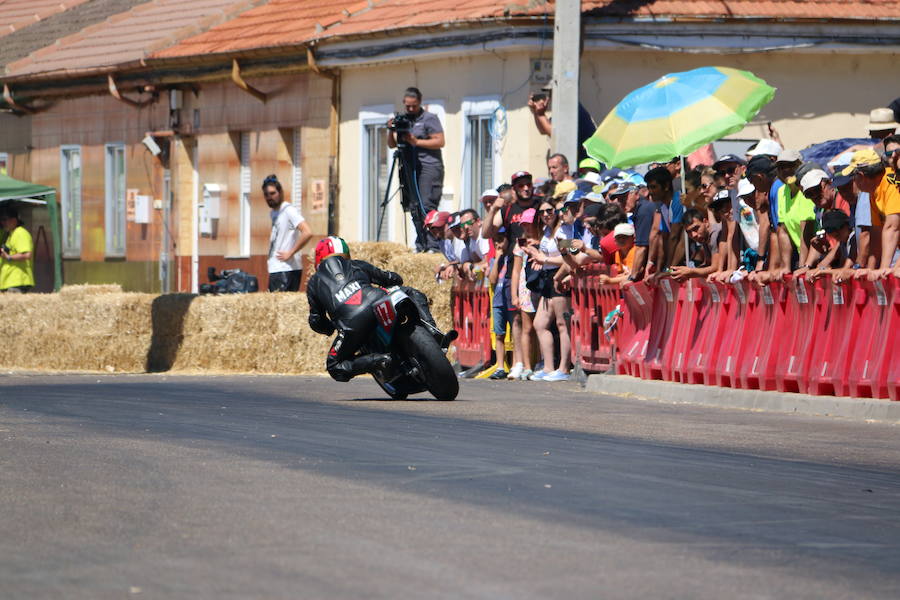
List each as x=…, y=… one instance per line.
x=99, y=328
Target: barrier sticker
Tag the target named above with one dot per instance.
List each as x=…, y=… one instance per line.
x=667, y=289
x=741, y=294
x=767, y=296
x=637, y=295
x=879, y=294
x=714, y=293
x=837, y=294
x=800, y=290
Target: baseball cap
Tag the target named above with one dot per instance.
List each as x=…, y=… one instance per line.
x=527, y=216
x=489, y=193
x=596, y=197
x=455, y=220
x=862, y=158
x=722, y=198
x=624, y=188
x=590, y=177
x=623, y=229
x=788, y=156
x=574, y=196
x=729, y=158
x=591, y=163
x=833, y=220
x=436, y=218
x=766, y=148
x=564, y=187
x=745, y=188
x=520, y=175
x=812, y=179
x=760, y=164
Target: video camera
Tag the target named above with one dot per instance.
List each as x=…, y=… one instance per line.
x=402, y=123
x=230, y=281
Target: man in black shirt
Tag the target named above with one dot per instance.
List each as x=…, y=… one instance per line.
x=423, y=143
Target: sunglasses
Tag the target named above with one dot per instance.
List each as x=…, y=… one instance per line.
x=705, y=186
x=889, y=153
x=728, y=171
x=547, y=211
x=467, y=223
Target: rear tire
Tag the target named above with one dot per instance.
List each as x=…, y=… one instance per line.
x=440, y=379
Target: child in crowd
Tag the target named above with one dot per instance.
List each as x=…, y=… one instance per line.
x=502, y=306
x=623, y=258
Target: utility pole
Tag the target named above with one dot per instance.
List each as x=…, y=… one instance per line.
x=566, y=73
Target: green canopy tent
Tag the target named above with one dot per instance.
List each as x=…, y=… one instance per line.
x=22, y=192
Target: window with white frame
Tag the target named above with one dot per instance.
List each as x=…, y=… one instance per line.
x=481, y=158
x=115, y=200
x=375, y=165
x=70, y=200
x=296, y=171
x=244, y=198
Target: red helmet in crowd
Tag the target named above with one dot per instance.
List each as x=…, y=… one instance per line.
x=329, y=247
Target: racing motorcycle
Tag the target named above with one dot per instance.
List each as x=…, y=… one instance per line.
x=418, y=350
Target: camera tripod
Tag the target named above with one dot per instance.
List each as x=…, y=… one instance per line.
x=409, y=193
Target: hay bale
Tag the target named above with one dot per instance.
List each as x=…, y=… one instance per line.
x=101, y=328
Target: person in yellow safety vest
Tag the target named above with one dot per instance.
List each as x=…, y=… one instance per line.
x=16, y=253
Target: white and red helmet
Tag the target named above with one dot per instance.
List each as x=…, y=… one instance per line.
x=329, y=247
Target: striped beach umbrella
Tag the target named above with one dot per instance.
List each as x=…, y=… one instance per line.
x=676, y=114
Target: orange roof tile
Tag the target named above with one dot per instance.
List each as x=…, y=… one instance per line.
x=16, y=14
x=129, y=36
x=293, y=22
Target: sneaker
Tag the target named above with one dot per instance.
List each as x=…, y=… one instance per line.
x=515, y=372
x=498, y=374
x=526, y=374
x=557, y=376
x=538, y=375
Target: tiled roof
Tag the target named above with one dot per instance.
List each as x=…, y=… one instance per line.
x=775, y=9
x=292, y=22
x=16, y=14
x=276, y=23
x=24, y=41
x=129, y=36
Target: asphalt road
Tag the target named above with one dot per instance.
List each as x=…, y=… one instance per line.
x=297, y=487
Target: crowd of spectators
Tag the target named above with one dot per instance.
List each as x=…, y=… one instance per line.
x=760, y=216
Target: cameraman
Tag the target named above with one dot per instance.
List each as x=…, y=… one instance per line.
x=424, y=142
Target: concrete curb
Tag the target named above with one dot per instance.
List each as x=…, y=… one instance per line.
x=864, y=409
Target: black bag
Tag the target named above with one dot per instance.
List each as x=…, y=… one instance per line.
x=539, y=281
x=231, y=281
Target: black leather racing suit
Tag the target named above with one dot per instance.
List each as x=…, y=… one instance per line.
x=341, y=294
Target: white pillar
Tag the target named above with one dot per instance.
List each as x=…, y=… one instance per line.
x=566, y=71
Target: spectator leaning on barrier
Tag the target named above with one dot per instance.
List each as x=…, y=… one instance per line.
x=730, y=170
x=623, y=258
x=796, y=214
x=290, y=232
x=750, y=227
x=646, y=219
x=834, y=251
x=706, y=255
x=659, y=183
x=16, y=253
x=879, y=181
x=723, y=217
x=762, y=174
x=436, y=224
x=477, y=250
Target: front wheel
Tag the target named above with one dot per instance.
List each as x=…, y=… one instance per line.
x=439, y=377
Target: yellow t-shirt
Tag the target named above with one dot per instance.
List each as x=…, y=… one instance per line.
x=17, y=273
x=885, y=200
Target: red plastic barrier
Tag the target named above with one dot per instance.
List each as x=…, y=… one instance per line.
x=471, y=308
x=634, y=329
x=734, y=333
x=688, y=330
x=836, y=337
x=701, y=355
x=590, y=303
x=767, y=312
x=663, y=316
x=892, y=341
x=797, y=337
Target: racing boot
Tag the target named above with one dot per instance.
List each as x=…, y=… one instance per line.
x=371, y=363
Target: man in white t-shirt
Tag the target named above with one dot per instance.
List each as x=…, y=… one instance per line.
x=290, y=233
